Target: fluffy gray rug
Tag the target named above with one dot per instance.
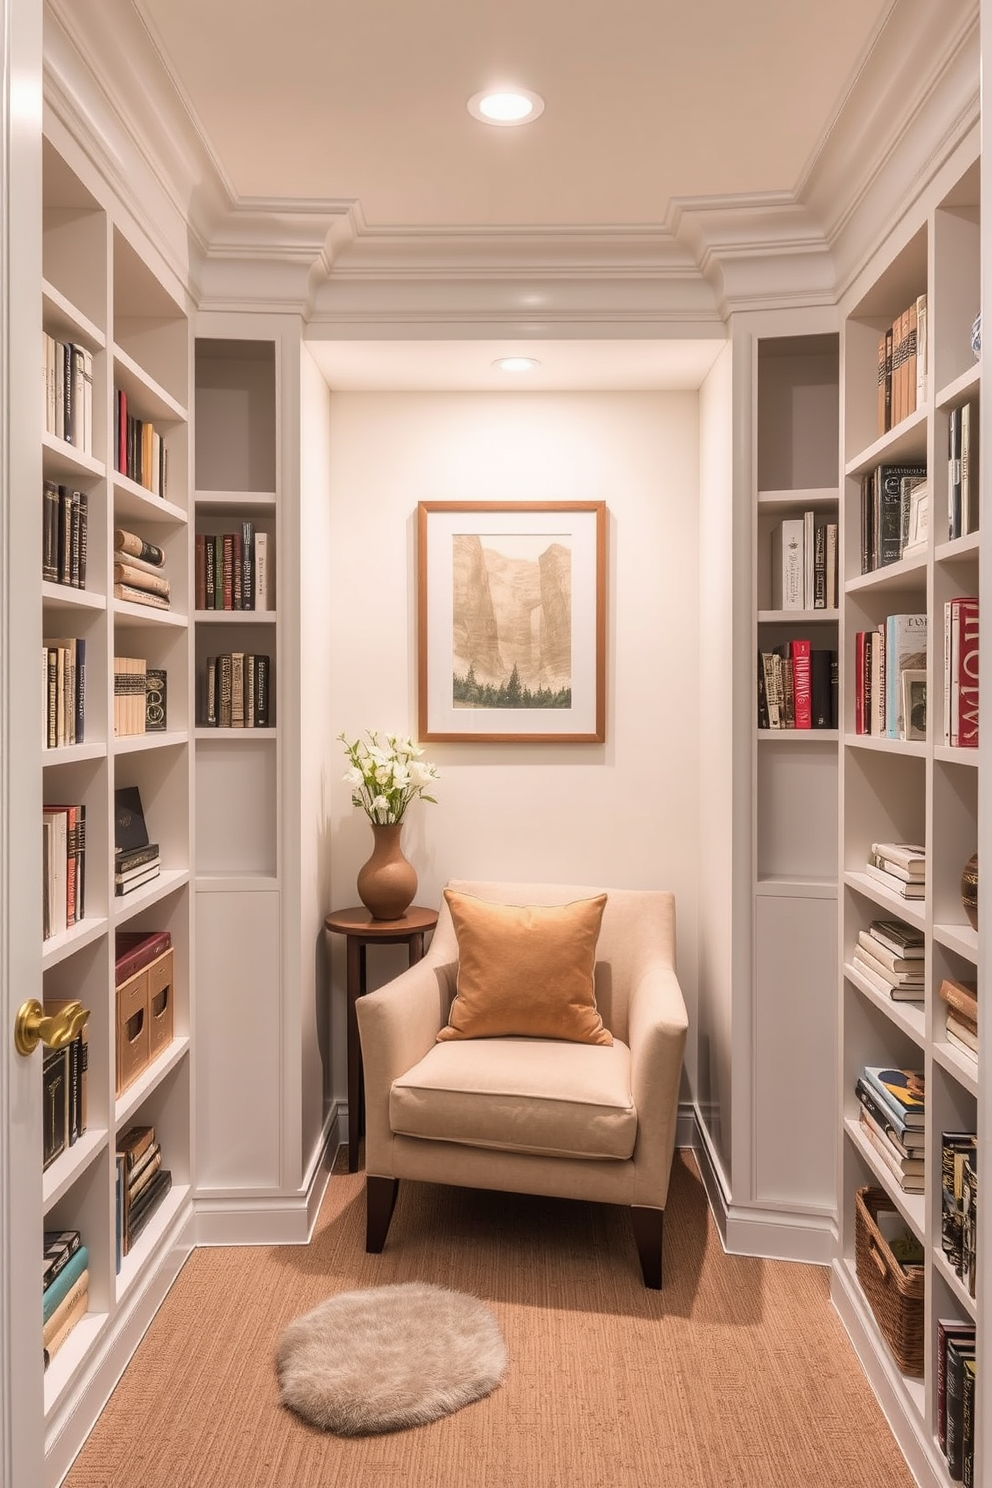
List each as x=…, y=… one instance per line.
x=389, y=1357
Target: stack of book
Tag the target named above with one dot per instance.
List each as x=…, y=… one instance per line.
x=797, y=687
x=959, y=1205
x=902, y=365
x=63, y=666
x=885, y=511
x=961, y=1015
x=889, y=956
x=138, y=575
x=68, y=373
x=232, y=570
x=136, y=949
x=136, y=859
x=235, y=691
x=63, y=845
x=890, y=678
x=892, y=1117
x=804, y=564
x=142, y=1184
x=65, y=516
x=140, y=452
x=65, y=1287
x=956, y=1396
x=901, y=867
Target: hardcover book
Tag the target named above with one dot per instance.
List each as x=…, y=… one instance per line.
x=901, y=1091
x=129, y=819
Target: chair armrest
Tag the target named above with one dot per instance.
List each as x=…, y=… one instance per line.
x=398, y=1024
x=658, y=1028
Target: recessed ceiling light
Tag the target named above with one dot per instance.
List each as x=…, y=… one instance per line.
x=506, y=106
x=516, y=363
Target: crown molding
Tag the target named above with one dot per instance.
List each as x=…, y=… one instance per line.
x=913, y=98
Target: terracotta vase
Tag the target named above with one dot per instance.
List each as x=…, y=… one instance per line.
x=387, y=882
x=969, y=890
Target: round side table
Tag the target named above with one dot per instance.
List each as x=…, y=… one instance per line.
x=361, y=931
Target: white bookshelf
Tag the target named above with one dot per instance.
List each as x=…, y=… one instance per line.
x=911, y=791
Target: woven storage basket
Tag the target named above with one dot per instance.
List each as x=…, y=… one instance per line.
x=895, y=1295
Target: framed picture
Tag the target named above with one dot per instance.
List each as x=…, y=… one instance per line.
x=914, y=703
x=511, y=621
x=918, y=526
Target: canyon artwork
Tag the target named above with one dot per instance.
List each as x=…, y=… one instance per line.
x=512, y=621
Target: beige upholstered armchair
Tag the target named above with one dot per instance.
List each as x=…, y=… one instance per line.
x=542, y=1115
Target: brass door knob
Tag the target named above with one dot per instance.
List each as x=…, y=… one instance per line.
x=33, y=1025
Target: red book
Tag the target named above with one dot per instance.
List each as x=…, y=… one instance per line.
x=799, y=651
x=135, y=949
x=964, y=679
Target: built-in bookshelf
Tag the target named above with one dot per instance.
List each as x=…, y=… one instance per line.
x=794, y=772
x=912, y=789
x=102, y=296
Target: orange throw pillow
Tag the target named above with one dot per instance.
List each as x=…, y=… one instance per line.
x=526, y=970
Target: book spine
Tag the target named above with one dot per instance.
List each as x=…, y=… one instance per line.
x=802, y=684
x=140, y=956
x=788, y=565
x=964, y=716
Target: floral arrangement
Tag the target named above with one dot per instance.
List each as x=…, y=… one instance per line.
x=386, y=775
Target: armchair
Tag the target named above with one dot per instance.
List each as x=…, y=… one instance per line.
x=532, y=1115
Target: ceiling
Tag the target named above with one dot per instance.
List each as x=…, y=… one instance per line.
x=363, y=103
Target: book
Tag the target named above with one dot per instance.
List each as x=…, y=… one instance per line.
x=59, y=1246
x=901, y=1091
x=969, y=1224
x=879, y=982
x=908, y=1139
x=133, y=595
x=799, y=655
x=54, y=1342
x=823, y=687
x=135, y=857
x=905, y=940
x=910, y=975
x=961, y=995
x=55, y=1104
x=907, y=1170
x=136, y=949
x=954, y=1147
x=129, y=819
x=130, y=882
x=136, y=547
x=968, y=1422
x=947, y=1329
x=788, y=564
x=156, y=700
x=138, y=871
x=961, y=1035
x=961, y=671
x=969, y=467
x=907, y=889
x=905, y=648
x=140, y=1212
x=133, y=1143
x=262, y=585
x=957, y=1350
x=954, y=528
x=68, y=1305
x=879, y=950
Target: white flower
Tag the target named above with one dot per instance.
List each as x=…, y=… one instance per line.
x=421, y=775
x=386, y=776
x=354, y=777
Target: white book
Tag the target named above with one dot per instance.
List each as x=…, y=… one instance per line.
x=914, y=890
x=831, y=585
x=58, y=862
x=809, y=560
x=862, y=957
x=788, y=565
x=263, y=572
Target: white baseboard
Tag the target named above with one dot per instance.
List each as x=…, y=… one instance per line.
x=752, y=1230
x=79, y=1408
x=903, y=1415
x=270, y=1219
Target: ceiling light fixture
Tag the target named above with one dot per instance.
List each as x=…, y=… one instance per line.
x=516, y=363
x=506, y=106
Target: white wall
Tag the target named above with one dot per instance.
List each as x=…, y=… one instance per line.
x=623, y=813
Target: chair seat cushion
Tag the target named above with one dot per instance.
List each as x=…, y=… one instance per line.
x=520, y=1095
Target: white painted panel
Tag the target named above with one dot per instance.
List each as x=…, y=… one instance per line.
x=795, y=1050
x=238, y=1035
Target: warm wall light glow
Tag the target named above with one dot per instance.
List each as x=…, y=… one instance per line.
x=516, y=364
x=506, y=106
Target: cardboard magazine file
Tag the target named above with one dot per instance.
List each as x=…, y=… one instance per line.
x=132, y=1029
x=160, y=1004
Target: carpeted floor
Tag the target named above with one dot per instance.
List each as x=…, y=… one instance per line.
x=737, y=1375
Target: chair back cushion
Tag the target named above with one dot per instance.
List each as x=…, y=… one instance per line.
x=525, y=970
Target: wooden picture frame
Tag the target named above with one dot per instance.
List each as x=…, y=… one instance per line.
x=511, y=621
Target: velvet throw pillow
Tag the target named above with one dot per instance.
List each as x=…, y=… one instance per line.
x=526, y=970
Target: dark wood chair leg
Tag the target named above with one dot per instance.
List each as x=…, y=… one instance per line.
x=380, y=1201
x=649, y=1231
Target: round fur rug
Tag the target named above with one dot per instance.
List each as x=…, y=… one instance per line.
x=389, y=1357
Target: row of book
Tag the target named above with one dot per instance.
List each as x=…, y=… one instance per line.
x=900, y=867
x=961, y=1015
x=961, y=663
x=63, y=665
x=141, y=1185
x=959, y=1205
x=232, y=570
x=140, y=697
x=65, y=1287
x=797, y=687
x=140, y=452
x=890, y=678
x=64, y=523
x=902, y=365
x=137, y=860
x=235, y=690
x=67, y=379
x=962, y=470
x=804, y=564
x=889, y=957
x=138, y=571
x=891, y=1116
x=888, y=529
x=65, y=1076
x=955, y=1386
x=63, y=866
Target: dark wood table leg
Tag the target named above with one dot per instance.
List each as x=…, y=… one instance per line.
x=354, y=988
x=415, y=950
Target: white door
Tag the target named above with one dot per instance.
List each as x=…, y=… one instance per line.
x=21, y=1224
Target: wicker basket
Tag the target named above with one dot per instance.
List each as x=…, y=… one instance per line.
x=895, y=1294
